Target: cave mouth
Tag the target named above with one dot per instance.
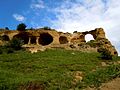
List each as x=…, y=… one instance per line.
x=45, y=39
x=33, y=40
x=63, y=40
x=23, y=37
x=5, y=38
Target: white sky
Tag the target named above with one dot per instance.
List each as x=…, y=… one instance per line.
x=85, y=15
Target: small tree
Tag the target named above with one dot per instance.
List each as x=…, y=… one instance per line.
x=21, y=27
x=6, y=28
x=75, y=32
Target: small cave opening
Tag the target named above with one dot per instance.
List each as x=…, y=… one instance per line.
x=33, y=40
x=63, y=40
x=45, y=39
x=23, y=37
x=5, y=38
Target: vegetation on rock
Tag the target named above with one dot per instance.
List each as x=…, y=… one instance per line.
x=21, y=27
x=1, y=51
x=46, y=28
x=11, y=46
x=6, y=28
x=105, y=54
x=15, y=43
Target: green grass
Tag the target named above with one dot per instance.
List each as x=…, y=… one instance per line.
x=53, y=68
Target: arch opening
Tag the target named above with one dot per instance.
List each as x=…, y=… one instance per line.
x=23, y=37
x=63, y=40
x=89, y=37
x=33, y=40
x=45, y=39
x=5, y=38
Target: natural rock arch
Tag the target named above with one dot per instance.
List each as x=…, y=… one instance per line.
x=89, y=37
x=22, y=36
x=45, y=39
x=63, y=40
x=5, y=38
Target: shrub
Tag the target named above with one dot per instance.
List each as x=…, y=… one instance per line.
x=75, y=32
x=105, y=54
x=1, y=51
x=46, y=28
x=6, y=28
x=10, y=50
x=92, y=43
x=5, y=38
x=15, y=43
x=21, y=27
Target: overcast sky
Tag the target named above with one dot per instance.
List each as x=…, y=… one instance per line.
x=64, y=15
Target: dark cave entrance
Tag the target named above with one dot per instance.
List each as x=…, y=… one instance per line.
x=5, y=38
x=23, y=37
x=45, y=39
x=63, y=40
x=33, y=40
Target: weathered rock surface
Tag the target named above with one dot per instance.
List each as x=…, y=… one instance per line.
x=53, y=39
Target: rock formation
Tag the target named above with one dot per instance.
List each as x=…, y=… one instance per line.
x=41, y=38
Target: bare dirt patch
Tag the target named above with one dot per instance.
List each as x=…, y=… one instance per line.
x=112, y=85
x=32, y=86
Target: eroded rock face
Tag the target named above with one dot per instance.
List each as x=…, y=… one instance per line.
x=98, y=33
x=53, y=39
x=77, y=37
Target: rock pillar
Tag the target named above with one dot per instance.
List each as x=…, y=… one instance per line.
x=29, y=42
x=37, y=40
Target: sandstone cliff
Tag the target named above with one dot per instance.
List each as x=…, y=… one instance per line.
x=40, y=38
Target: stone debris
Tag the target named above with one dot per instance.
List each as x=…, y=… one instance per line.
x=77, y=77
x=103, y=64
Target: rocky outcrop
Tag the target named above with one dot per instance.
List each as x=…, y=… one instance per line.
x=53, y=39
x=77, y=37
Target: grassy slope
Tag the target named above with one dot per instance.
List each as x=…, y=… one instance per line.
x=54, y=69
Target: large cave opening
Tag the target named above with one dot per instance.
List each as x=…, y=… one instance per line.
x=45, y=39
x=5, y=38
x=23, y=37
x=33, y=40
x=63, y=40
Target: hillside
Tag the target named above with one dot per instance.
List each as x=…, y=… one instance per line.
x=55, y=70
